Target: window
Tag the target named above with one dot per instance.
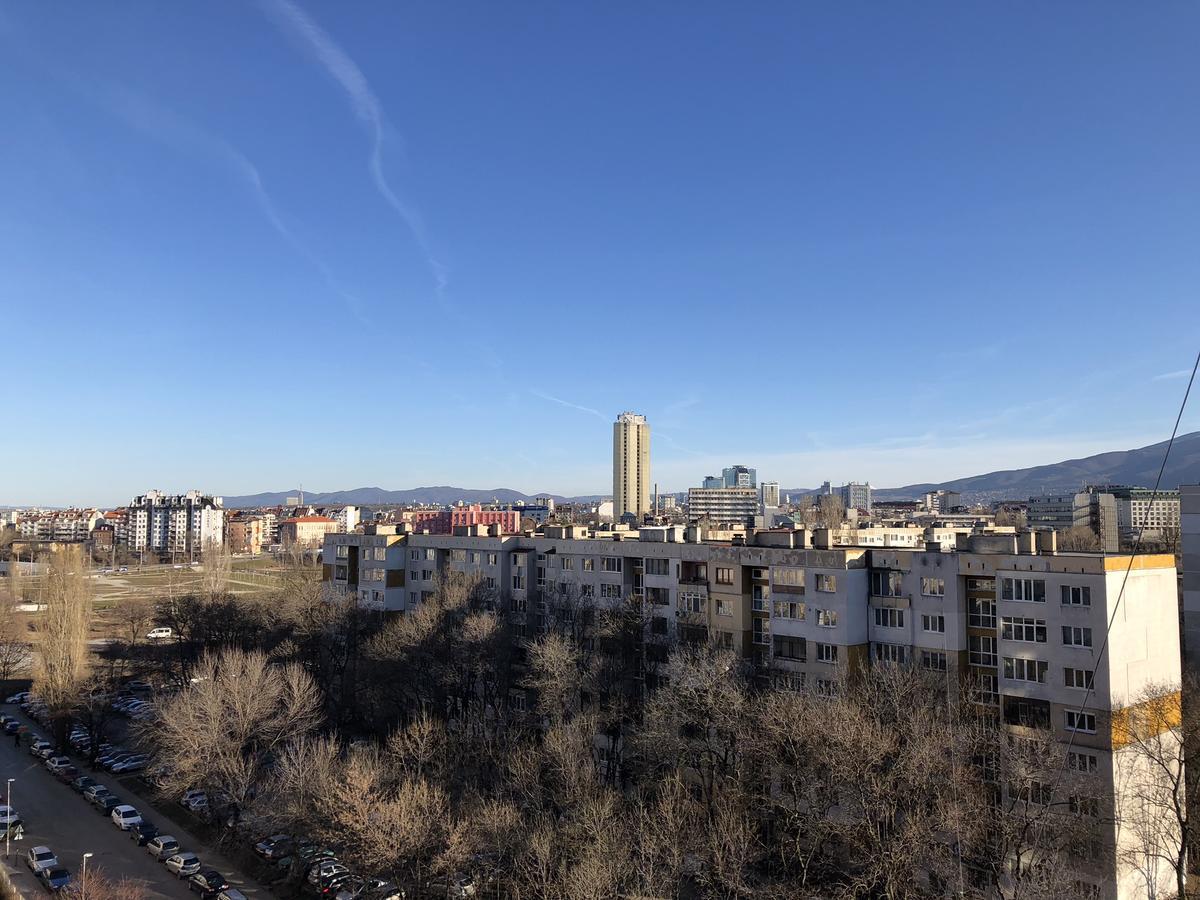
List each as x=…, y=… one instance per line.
x=412, y=597
x=826, y=618
x=1074, y=636
x=1021, y=669
x=981, y=584
x=981, y=613
x=412, y=576
x=457, y=555
x=1032, y=792
x=519, y=604
x=568, y=563
x=343, y=551
x=1076, y=596
x=724, y=607
x=658, y=567
x=430, y=553
x=1082, y=762
x=981, y=651
x=518, y=581
x=827, y=653
x=936, y=624
x=610, y=564
x=589, y=564
x=473, y=557
x=1026, y=590
x=1078, y=678
x=987, y=689
x=791, y=577
x=724, y=576
x=788, y=609
x=587, y=590
x=789, y=648
x=610, y=591
x=493, y=559
x=827, y=584
x=887, y=617
x=886, y=584
x=414, y=554
x=934, y=660
x=427, y=574
x=1077, y=720
x=1026, y=712
x=691, y=601
x=516, y=559
x=762, y=631
x=933, y=587
x=1015, y=628
x=889, y=653
x=1085, y=806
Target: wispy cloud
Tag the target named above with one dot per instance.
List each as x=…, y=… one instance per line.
x=570, y=405
x=168, y=127
x=1170, y=376
x=315, y=41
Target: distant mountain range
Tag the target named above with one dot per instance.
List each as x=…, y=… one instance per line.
x=1132, y=467
x=375, y=496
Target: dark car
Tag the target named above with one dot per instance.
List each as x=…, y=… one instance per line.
x=12, y=726
x=82, y=783
x=106, y=803
x=274, y=847
x=207, y=883
x=140, y=834
x=331, y=884
x=54, y=880
x=67, y=774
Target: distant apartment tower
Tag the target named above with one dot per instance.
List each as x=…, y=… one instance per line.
x=712, y=482
x=857, y=496
x=723, y=504
x=941, y=501
x=631, y=465
x=769, y=493
x=347, y=518
x=175, y=523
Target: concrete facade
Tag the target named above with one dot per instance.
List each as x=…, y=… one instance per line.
x=631, y=466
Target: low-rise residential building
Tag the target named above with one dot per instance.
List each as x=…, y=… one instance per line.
x=245, y=534
x=305, y=531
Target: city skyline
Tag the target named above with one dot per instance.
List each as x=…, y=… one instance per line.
x=905, y=212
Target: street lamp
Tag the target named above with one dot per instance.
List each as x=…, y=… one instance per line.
x=83, y=877
x=8, y=827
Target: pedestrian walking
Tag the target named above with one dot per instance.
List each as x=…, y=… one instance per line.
x=17, y=738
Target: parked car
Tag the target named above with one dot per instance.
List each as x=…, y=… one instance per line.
x=67, y=774
x=208, y=883
x=133, y=763
x=38, y=744
x=12, y=726
x=18, y=697
x=323, y=869
x=183, y=865
x=93, y=789
x=82, y=783
x=231, y=894
x=138, y=684
x=8, y=815
x=106, y=803
x=126, y=816
x=39, y=858
x=331, y=884
x=54, y=880
x=55, y=763
x=160, y=633
x=274, y=847
x=162, y=847
x=143, y=832
x=188, y=796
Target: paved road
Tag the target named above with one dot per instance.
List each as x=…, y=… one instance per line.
x=56, y=816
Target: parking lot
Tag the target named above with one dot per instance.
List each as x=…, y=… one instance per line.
x=56, y=816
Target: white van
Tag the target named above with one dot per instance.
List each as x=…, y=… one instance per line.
x=160, y=633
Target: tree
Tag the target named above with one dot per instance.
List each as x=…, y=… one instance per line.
x=216, y=565
x=222, y=732
x=1079, y=538
x=1153, y=785
x=62, y=652
x=14, y=642
x=1012, y=517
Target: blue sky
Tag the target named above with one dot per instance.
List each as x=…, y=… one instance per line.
x=246, y=245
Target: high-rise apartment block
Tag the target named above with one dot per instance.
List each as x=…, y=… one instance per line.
x=857, y=496
x=631, y=466
x=739, y=477
x=175, y=523
x=725, y=504
x=769, y=493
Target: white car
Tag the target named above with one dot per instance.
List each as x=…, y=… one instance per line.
x=8, y=815
x=181, y=865
x=39, y=858
x=162, y=847
x=159, y=634
x=58, y=763
x=125, y=817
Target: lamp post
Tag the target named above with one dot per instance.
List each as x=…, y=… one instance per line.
x=83, y=877
x=8, y=827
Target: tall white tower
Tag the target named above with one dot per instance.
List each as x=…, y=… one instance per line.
x=631, y=465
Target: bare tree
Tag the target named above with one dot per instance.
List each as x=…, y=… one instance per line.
x=14, y=642
x=61, y=659
x=216, y=565
x=1079, y=538
x=1011, y=517
x=222, y=732
x=1154, y=785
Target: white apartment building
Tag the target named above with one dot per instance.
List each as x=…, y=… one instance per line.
x=347, y=518
x=58, y=525
x=731, y=504
x=631, y=466
x=179, y=523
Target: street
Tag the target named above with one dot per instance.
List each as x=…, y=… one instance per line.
x=54, y=815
